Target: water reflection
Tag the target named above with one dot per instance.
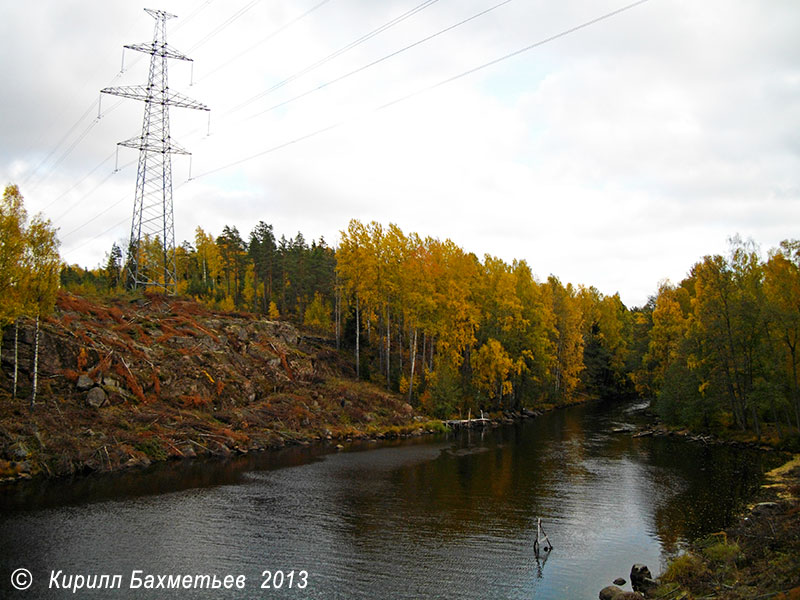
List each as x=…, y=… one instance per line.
x=432, y=518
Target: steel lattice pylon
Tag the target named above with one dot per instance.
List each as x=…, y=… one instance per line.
x=152, y=210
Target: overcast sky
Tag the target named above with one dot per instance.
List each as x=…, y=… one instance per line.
x=615, y=156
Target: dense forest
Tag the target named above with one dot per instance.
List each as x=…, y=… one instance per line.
x=723, y=344
x=421, y=317
x=455, y=333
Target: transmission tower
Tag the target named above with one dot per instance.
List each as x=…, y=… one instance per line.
x=152, y=209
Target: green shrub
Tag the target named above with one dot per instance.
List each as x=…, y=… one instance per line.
x=152, y=449
x=723, y=553
x=685, y=569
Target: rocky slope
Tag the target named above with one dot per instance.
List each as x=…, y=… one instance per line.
x=124, y=382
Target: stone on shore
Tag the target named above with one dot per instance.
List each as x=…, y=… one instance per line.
x=96, y=397
x=642, y=580
x=610, y=592
x=84, y=383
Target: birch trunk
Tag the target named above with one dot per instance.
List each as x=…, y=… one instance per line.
x=338, y=315
x=400, y=344
x=413, y=352
x=422, y=354
x=388, y=349
x=35, y=361
x=16, y=357
x=358, y=335
x=795, y=394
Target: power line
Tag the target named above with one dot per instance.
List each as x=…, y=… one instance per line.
x=331, y=56
x=96, y=216
x=428, y=88
x=192, y=15
x=381, y=107
x=513, y=54
x=225, y=24
x=94, y=189
x=74, y=126
x=380, y=60
x=265, y=39
x=73, y=145
x=80, y=181
x=357, y=42
x=371, y=64
x=101, y=234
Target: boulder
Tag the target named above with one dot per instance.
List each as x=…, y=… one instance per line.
x=610, y=592
x=84, y=383
x=642, y=580
x=619, y=581
x=96, y=397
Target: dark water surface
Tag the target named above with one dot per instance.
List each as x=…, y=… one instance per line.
x=434, y=518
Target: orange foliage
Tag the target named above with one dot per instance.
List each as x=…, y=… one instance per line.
x=125, y=373
x=156, y=384
x=116, y=314
x=70, y=375
x=794, y=594
x=69, y=302
x=101, y=367
x=82, y=359
x=194, y=400
x=237, y=436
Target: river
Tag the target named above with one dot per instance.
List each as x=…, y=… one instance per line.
x=445, y=517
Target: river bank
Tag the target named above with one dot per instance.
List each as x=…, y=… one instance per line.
x=757, y=557
x=125, y=383
x=128, y=382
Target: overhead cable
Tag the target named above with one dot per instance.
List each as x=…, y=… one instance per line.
x=339, y=52
x=428, y=88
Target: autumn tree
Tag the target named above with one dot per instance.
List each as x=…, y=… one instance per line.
x=232, y=258
x=208, y=261
x=567, y=338
x=782, y=295
x=113, y=268
x=262, y=251
x=493, y=371
x=13, y=219
x=40, y=282
x=29, y=272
